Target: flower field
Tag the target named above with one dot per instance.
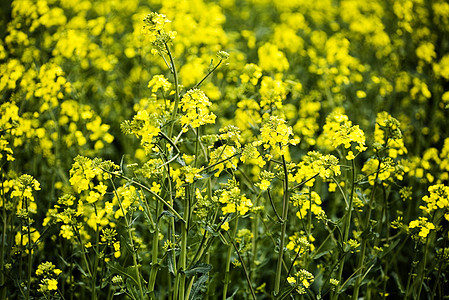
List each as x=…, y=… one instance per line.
x=224, y=149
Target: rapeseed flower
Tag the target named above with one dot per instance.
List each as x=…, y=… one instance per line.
x=195, y=106
x=424, y=227
x=438, y=198
x=338, y=130
x=275, y=134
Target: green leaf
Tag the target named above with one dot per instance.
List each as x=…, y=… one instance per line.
x=165, y=213
x=132, y=289
x=128, y=272
x=211, y=230
x=171, y=268
x=208, y=174
x=318, y=255
x=180, y=161
x=198, y=268
x=233, y=294
x=196, y=288
x=398, y=282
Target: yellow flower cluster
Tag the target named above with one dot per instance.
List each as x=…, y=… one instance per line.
x=69, y=70
x=423, y=226
x=302, y=281
x=387, y=133
x=299, y=243
x=338, y=130
x=195, y=106
x=47, y=271
x=438, y=199
x=275, y=134
x=145, y=126
x=233, y=200
x=326, y=166
x=272, y=93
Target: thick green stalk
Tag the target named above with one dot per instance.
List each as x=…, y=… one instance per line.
x=189, y=289
x=423, y=269
x=131, y=242
x=154, y=255
x=228, y=261
x=347, y=222
x=30, y=250
x=245, y=270
x=365, y=240
x=255, y=232
x=175, y=79
x=277, y=282
x=181, y=277
x=95, y=266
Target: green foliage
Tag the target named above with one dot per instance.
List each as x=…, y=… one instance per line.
x=224, y=149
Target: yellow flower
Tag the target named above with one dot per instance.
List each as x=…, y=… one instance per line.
x=52, y=284
x=264, y=184
x=276, y=134
x=244, y=205
x=251, y=73
x=229, y=208
x=272, y=59
x=155, y=22
x=423, y=226
x=57, y=271
x=225, y=226
x=66, y=232
x=195, y=105
x=361, y=94
x=155, y=187
x=350, y=155
x=227, y=155
x=338, y=130
x=159, y=82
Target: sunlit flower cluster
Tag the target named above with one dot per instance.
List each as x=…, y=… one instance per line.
x=232, y=199
x=276, y=134
x=212, y=174
x=338, y=130
x=195, y=106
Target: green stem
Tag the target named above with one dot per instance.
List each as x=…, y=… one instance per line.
x=154, y=255
x=410, y=274
x=228, y=261
x=423, y=269
x=277, y=282
x=2, y=248
x=309, y=215
x=30, y=249
x=255, y=232
x=175, y=78
x=131, y=241
x=132, y=181
x=274, y=207
x=365, y=240
x=207, y=75
x=347, y=222
x=189, y=289
x=95, y=266
x=83, y=250
x=181, y=277
x=244, y=266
